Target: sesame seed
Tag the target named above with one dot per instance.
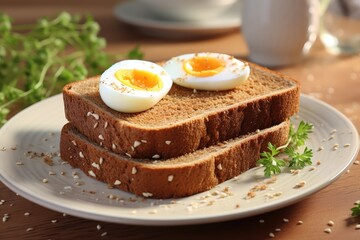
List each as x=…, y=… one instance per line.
x=261, y=221
x=300, y=222
x=98, y=227
x=51, y=173
x=333, y=131
x=54, y=221
x=134, y=170
x=347, y=145
x=356, y=162
x=101, y=137
x=103, y=234
x=320, y=148
x=29, y=229
x=330, y=223
x=318, y=163
x=91, y=173
x=128, y=154
x=147, y=194
x=327, y=230
x=219, y=166
x=117, y=182
x=143, y=141
x=19, y=163
x=95, y=125
x=45, y=180
x=95, y=165
x=101, y=160
x=136, y=144
x=27, y=214
x=113, y=146
x=300, y=184
x=312, y=168
x=170, y=178
x=88, y=114
x=357, y=226
x=167, y=142
x=106, y=125
x=81, y=154
x=285, y=220
x=272, y=235
x=335, y=147
x=67, y=187
x=277, y=229
x=156, y=156
x=153, y=211
x=96, y=116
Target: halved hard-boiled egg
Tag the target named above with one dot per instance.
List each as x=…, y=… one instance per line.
x=134, y=85
x=207, y=71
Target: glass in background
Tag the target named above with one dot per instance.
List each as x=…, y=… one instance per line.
x=340, y=26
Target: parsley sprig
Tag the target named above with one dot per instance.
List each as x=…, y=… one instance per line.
x=36, y=60
x=355, y=211
x=295, y=160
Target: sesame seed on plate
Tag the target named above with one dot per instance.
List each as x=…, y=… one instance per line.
x=330, y=223
x=147, y=194
x=45, y=180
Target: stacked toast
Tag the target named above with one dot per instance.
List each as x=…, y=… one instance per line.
x=187, y=143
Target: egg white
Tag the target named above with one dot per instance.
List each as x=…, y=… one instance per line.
x=126, y=99
x=234, y=73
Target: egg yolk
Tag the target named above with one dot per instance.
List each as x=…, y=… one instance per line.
x=139, y=79
x=204, y=66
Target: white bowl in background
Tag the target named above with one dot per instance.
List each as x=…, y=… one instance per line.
x=187, y=10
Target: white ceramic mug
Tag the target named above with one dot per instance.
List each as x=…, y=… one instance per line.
x=279, y=32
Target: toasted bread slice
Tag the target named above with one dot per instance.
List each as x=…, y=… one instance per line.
x=185, y=120
x=175, y=177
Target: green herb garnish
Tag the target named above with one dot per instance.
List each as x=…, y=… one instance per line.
x=36, y=60
x=296, y=160
x=355, y=211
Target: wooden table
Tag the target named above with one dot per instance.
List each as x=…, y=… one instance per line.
x=329, y=78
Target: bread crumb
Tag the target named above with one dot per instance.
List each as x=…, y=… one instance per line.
x=347, y=145
x=45, y=180
x=318, y=163
x=320, y=148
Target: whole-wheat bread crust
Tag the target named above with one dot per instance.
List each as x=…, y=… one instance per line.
x=177, y=177
x=122, y=134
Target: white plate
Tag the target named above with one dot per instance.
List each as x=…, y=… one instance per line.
x=37, y=129
x=134, y=14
